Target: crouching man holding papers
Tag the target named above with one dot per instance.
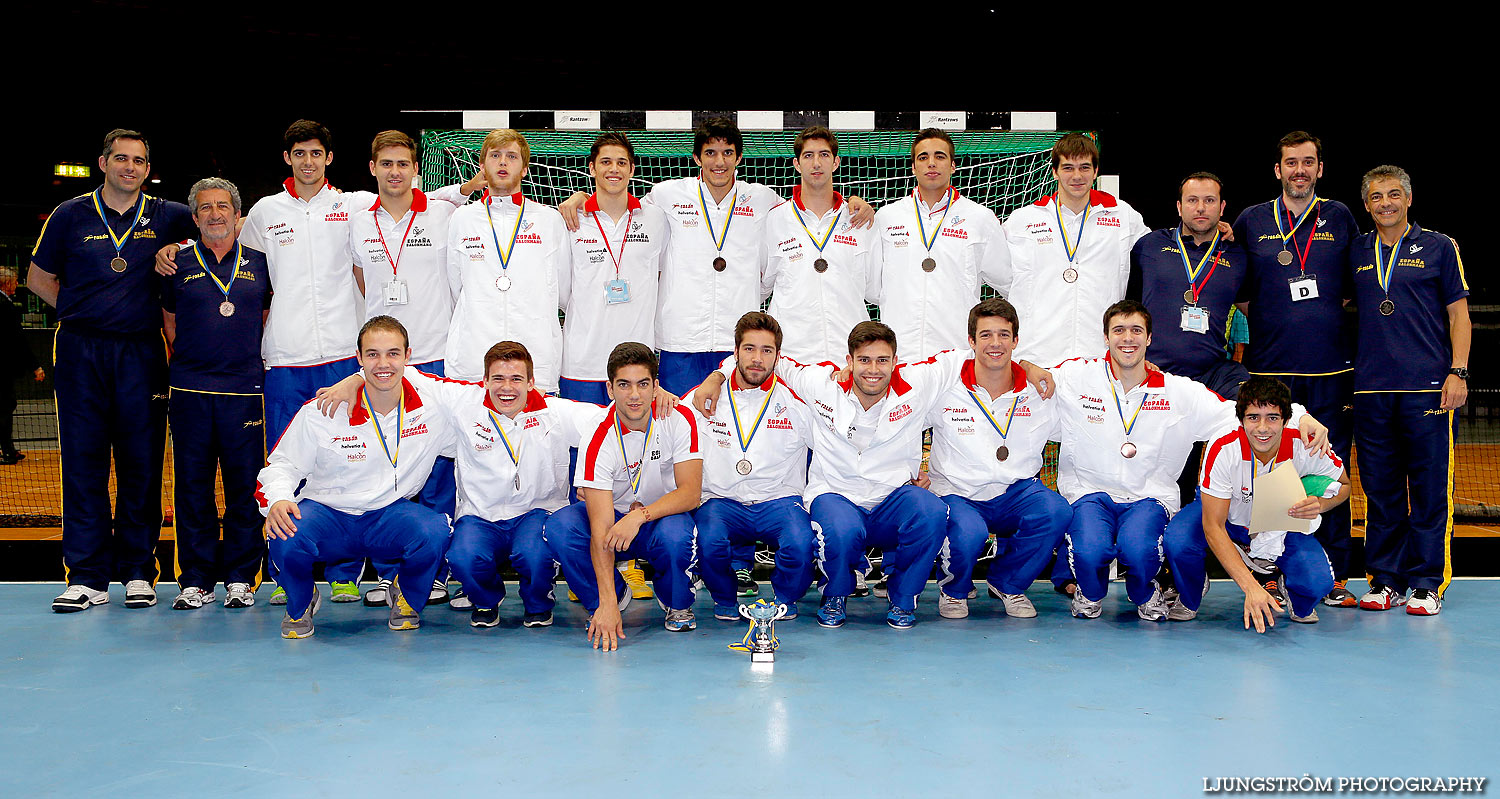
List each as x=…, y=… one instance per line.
x=1262, y=491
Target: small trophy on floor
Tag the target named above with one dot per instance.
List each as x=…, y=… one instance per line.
x=760, y=640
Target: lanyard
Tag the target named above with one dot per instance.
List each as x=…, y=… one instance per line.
x=739, y=430
x=635, y=476
x=1192, y=271
x=1072, y=250
x=1384, y=277
x=1129, y=426
x=1316, y=211
x=504, y=254
x=223, y=287
x=826, y=236
x=118, y=241
x=623, y=241
x=728, y=220
x=1003, y=431
x=916, y=206
x=513, y=452
x=397, y=261
x=390, y=455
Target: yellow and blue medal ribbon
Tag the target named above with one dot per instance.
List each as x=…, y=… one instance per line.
x=1070, y=249
x=513, y=451
x=1277, y=206
x=1384, y=267
x=1194, y=272
x=504, y=254
x=390, y=455
x=635, y=476
x=728, y=220
x=223, y=287
x=1129, y=426
x=826, y=236
x=738, y=429
x=922, y=227
x=1312, y=208
x=983, y=408
x=119, y=241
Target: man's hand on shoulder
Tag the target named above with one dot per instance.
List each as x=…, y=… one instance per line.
x=166, y=260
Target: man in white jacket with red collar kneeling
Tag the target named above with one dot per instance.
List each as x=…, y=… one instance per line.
x=359, y=472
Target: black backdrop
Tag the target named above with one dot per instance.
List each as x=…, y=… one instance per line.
x=1171, y=90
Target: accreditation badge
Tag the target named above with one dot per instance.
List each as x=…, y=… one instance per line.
x=616, y=291
x=1194, y=319
x=395, y=292
x=1303, y=287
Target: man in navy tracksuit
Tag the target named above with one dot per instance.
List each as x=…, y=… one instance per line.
x=214, y=309
x=1190, y=276
x=1298, y=246
x=1411, y=374
x=93, y=262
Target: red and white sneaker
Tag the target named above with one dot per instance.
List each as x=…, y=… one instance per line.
x=1424, y=603
x=1381, y=597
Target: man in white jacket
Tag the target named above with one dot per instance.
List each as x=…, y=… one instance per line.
x=509, y=268
x=1126, y=433
x=358, y=474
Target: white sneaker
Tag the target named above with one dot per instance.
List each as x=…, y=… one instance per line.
x=1423, y=602
x=1153, y=609
x=193, y=598
x=238, y=595
x=139, y=594
x=439, y=593
x=1017, y=606
x=1084, y=608
x=950, y=608
x=461, y=600
x=78, y=597
x=1311, y=618
x=379, y=596
x=1180, y=612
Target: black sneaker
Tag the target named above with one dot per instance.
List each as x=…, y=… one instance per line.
x=484, y=617
x=537, y=619
x=745, y=584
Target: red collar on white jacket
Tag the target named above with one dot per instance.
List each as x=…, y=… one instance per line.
x=409, y=397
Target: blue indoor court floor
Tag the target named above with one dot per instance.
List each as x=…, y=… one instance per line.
x=146, y=703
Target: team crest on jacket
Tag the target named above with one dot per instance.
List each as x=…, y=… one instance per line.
x=1157, y=404
x=900, y=413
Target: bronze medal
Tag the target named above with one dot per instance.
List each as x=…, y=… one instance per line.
x=1128, y=449
x=1002, y=453
x=1187, y=297
x=820, y=265
x=928, y=264
x=226, y=309
x=117, y=263
x=1070, y=275
x=1284, y=258
x=720, y=264
x=1387, y=308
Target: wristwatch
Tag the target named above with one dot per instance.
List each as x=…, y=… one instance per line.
x=1461, y=371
